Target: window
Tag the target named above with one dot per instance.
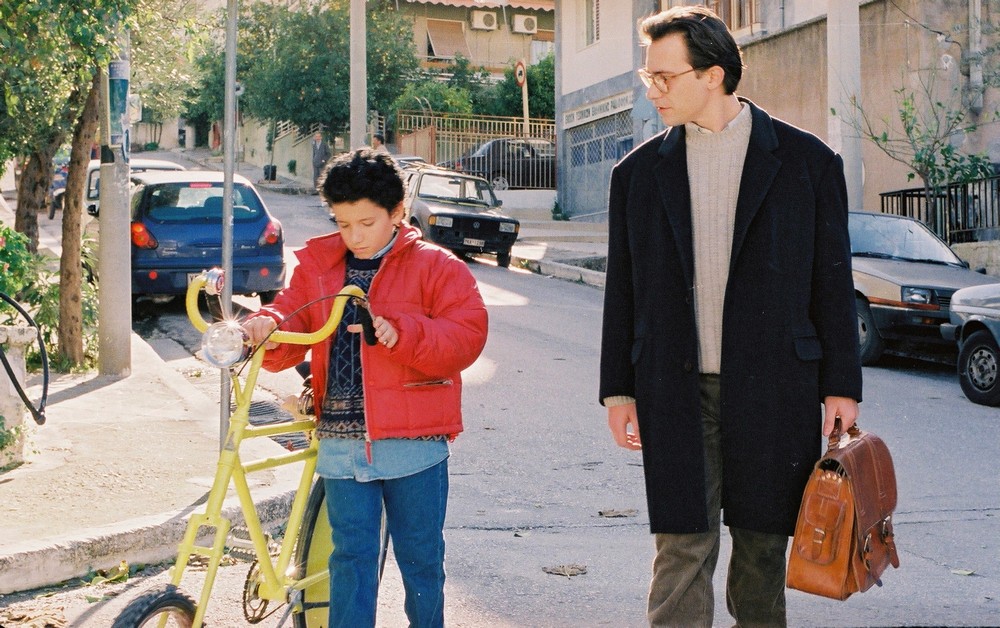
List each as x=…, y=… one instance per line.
x=542, y=45
x=736, y=14
x=446, y=39
x=591, y=21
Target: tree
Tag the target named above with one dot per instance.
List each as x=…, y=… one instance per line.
x=51, y=59
x=504, y=98
x=292, y=66
x=923, y=136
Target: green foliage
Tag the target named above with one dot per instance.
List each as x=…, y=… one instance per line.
x=49, y=54
x=8, y=436
x=294, y=66
x=30, y=280
x=292, y=165
x=504, y=98
x=433, y=95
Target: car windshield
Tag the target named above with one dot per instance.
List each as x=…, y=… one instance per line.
x=878, y=235
x=195, y=202
x=452, y=188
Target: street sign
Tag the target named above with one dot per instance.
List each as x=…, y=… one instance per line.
x=520, y=73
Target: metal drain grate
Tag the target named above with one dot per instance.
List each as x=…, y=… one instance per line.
x=270, y=412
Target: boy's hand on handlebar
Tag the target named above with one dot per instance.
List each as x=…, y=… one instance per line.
x=385, y=333
x=258, y=328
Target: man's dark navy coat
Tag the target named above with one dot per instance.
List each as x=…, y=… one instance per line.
x=789, y=334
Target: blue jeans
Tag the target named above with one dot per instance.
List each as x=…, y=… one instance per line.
x=415, y=508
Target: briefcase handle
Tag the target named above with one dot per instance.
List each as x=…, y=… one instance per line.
x=853, y=432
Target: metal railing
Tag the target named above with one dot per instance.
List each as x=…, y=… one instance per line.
x=446, y=138
x=959, y=212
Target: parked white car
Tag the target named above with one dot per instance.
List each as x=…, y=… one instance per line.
x=91, y=197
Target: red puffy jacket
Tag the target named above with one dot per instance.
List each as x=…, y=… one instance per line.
x=429, y=296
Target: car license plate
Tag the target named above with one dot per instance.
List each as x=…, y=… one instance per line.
x=474, y=242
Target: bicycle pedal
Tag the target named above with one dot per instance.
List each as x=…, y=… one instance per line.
x=241, y=546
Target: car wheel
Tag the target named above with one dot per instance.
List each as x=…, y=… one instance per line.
x=503, y=258
x=977, y=368
x=871, y=343
x=499, y=181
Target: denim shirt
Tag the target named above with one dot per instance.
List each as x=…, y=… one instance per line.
x=345, y=458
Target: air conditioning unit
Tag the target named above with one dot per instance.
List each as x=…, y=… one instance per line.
x=527, y=24
x=484, y=20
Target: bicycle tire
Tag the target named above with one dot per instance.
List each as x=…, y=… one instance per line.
x=312, y=554
x=169, y=600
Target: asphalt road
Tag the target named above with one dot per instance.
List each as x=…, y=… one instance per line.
x=536, y=468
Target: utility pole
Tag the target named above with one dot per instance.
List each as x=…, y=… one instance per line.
x=843, y=85
x=359, y=74
x=114, y=326
x=228, y=168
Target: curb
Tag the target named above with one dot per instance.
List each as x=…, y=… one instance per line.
x=152, y=539
x=560, y=270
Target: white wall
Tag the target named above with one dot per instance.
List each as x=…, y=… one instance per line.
x=583, y=66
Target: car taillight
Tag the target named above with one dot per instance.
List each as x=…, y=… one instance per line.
x=271, y=234
x=141, y=237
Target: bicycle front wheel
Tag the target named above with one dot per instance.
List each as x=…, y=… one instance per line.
x=167, y=605
x=312, y=554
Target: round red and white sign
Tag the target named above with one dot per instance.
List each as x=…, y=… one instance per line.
x=520, y=74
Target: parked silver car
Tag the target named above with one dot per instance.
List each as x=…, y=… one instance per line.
x=904, y=278
x=459, y=212
x=975, y=325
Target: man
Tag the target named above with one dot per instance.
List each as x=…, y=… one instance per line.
x=378, y=143
x=321, y=154
x=729, y=316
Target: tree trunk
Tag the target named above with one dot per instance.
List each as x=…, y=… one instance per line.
x=33, y=189
x=70, y=267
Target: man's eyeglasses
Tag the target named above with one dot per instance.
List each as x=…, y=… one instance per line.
x=660, y=80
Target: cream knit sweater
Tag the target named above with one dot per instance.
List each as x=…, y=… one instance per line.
x=715, y=165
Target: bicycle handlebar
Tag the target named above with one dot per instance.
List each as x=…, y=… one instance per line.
x=290, y=337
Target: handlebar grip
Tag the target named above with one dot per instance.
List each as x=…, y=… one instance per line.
x=367, y=325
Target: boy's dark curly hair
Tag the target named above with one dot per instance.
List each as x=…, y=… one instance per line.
x=362, y=174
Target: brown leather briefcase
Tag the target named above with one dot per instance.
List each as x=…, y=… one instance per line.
x=843, y=537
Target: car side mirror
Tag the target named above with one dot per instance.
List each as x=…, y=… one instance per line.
x=93, y=211
x=499, y=203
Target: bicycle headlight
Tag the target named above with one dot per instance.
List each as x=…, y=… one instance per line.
x=224, y=344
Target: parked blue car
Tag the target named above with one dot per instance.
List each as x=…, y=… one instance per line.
x=176, y=233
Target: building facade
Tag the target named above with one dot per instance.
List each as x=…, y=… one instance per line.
x=928, y=49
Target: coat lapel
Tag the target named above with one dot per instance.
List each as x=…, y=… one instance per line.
x=672, y=181
x=759, y=170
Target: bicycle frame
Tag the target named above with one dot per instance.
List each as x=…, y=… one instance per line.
x=277, y=582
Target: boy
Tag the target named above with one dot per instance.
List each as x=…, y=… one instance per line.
x=385, y=412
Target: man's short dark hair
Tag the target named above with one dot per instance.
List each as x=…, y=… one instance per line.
x=362, y=174
x=708, y=40
x=380, y=137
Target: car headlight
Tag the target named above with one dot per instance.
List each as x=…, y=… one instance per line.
x=442, y=221
x=919, y=296
x=508, y=227
x=224, y=344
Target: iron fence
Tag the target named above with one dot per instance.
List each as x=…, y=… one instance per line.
x=508, y=151
x=960, y=212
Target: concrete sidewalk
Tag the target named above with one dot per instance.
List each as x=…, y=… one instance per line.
x=115, y=471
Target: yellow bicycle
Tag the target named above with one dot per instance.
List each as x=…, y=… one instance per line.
x=292, y=572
